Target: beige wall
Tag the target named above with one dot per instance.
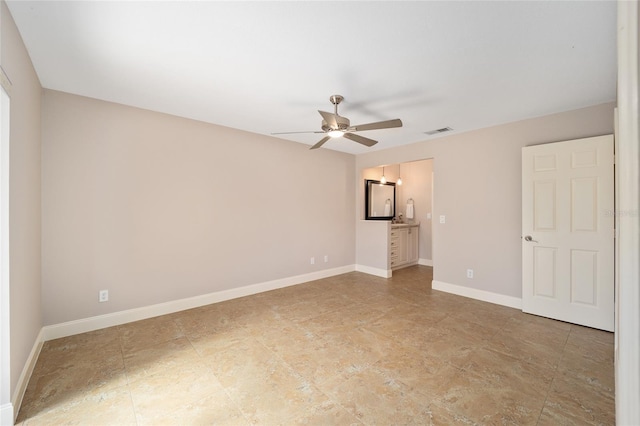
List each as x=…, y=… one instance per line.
x=24, y=196
x=477, y=187
x=156, y=208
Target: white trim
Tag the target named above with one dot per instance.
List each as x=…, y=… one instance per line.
x=122, y=317
x=425, y=262
x=25, y=375
x=5, y=286
x=474, y=293
x=384, y=273
x=6, y=414
x=627, y=335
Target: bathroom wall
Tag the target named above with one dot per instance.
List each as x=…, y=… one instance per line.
x=417, y=184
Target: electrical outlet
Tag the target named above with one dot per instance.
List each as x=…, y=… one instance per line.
x=313, y=260
x=103, y=296
x=469, y=273
x=443, y=219
x=326, y=258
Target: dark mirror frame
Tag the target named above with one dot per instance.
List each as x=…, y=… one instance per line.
x=368, y=185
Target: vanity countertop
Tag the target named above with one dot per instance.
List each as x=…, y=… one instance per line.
x=403, y=225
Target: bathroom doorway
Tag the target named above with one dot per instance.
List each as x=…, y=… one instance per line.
x=414, y=187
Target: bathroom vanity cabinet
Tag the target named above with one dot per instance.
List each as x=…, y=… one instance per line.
x=403, y=245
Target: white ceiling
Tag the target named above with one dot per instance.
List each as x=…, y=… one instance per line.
x=269, y=66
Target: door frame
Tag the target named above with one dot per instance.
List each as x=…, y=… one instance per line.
x=627, y=343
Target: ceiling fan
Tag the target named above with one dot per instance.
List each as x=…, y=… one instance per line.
x=335, y=126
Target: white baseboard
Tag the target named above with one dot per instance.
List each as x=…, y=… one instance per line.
x=384, y=273
x=473, y=293
x=122, y=317
x=25, y=375
x=6, y=414
x=425, y=262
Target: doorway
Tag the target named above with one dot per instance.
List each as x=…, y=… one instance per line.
x=414, y=186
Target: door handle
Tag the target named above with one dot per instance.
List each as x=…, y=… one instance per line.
x=529, y=239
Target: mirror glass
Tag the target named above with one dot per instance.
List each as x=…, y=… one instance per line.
x=380, y=200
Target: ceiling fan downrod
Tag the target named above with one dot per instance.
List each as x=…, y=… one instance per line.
x=335, y=100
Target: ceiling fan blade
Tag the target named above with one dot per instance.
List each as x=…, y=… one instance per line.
x=291, y=133
x=377, y=125
x=330, y=118
x=360, y=139
x=320, y=143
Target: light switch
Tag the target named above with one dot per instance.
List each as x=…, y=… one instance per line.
x=429, y=215
x=442, y=219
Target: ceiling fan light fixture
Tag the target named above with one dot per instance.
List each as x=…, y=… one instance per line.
x=336, y=126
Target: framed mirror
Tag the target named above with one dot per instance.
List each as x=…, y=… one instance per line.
x=379, y=200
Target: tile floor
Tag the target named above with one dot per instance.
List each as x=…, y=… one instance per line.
x=347, y=350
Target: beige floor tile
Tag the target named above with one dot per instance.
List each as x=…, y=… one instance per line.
x=219, y=340
x=592, y=365
x=161, y=397
x=97, y=407
x=70, y=383
x=473, y=332
x=481, y=401
x=304, y=310
x=539, y=354
x=327, y=413
x=196, y=323
x=277, y=396
x=349, y=349
x=591, y=349
x=236, y=357
x=162, y=357
x=81, y=349
x=329, y=356
x=482, y=313
x=374, y=398
x=587, y=335
x=214, y=409
x=505, y=371
x=141, y=334
x=356, y=314
x=412, y=368
x=572, y=401
x=404, y=322
x=537, y=330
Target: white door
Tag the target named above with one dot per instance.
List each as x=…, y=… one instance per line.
x=568, y=231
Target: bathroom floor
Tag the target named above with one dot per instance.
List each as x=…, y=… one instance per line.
x=352, y=349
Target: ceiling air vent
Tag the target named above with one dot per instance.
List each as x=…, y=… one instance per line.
x=438, y=131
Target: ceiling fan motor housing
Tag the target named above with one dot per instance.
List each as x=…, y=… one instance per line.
x=343, y=124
